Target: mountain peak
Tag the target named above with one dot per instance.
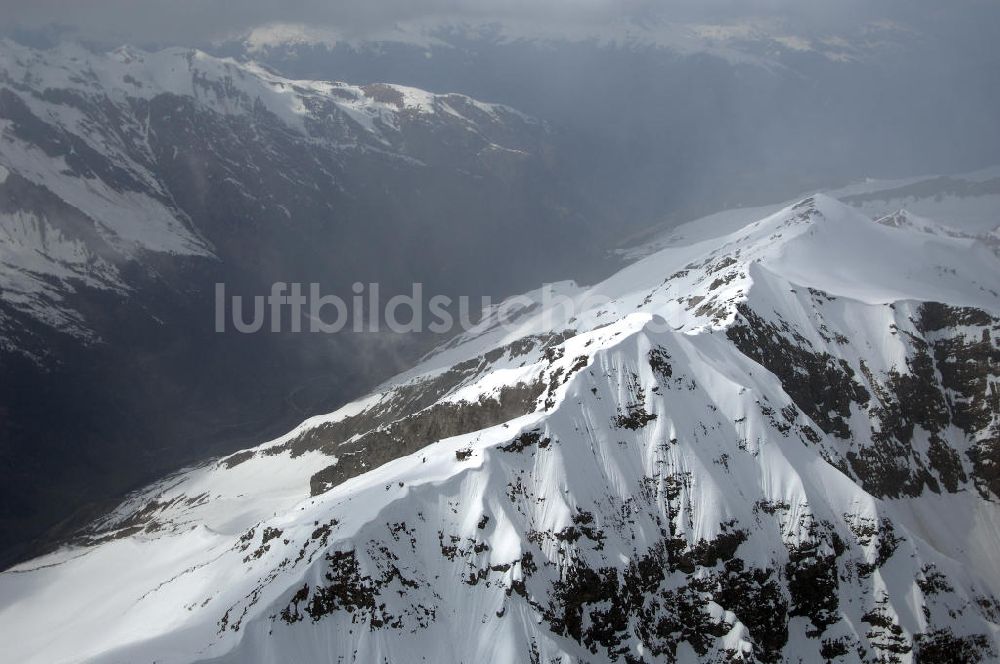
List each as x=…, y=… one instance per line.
x=708, y=415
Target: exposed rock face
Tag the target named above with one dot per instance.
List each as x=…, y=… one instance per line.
x=409, y=434
x=966, y=350
x=803, y=471
x=948, y=380
x=822, y=386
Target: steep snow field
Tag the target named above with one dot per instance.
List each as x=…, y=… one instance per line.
x=768, y=441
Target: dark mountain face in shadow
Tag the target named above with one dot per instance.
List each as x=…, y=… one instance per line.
x=464, y=198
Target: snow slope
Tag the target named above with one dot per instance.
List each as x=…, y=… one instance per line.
x=777, y=444
x=963, y=205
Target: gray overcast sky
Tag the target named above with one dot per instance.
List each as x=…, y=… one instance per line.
x=193, y=21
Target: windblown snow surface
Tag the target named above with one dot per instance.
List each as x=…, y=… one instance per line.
x=775, y=444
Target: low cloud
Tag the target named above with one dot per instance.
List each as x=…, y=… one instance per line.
x=200, y=21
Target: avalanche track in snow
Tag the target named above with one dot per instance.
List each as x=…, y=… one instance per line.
x=776, y=444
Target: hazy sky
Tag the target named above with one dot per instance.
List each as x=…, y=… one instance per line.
x=192, y=21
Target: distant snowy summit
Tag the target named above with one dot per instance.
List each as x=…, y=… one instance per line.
x=762, y=442
x=760, y=42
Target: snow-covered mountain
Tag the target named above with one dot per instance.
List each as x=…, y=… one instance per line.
x=108, y=157
x=778, y=442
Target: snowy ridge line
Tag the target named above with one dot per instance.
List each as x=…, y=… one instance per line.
x=223, y=84
x=961, y=205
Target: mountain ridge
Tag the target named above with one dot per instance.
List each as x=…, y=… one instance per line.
x=724, y=457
